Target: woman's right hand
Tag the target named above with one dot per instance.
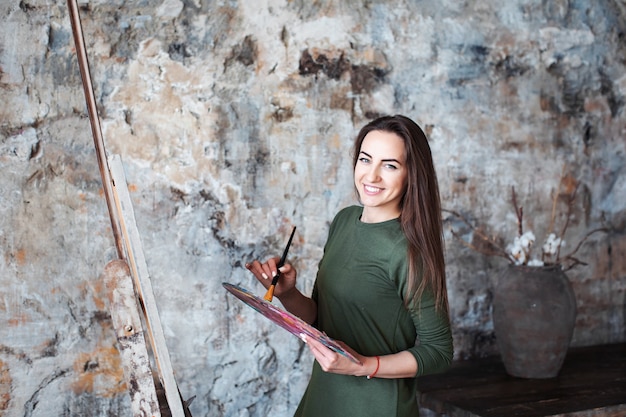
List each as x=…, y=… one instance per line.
x=264, y=272
x=292, y=299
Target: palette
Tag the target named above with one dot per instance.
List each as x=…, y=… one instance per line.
x=286, y=320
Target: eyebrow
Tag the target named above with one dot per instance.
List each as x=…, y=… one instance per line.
x=384, y=160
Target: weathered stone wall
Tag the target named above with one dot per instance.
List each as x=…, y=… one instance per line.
x=234, y=121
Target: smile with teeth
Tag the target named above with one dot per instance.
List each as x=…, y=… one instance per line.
x=371, y=189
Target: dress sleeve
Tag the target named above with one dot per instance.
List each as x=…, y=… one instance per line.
x=433, y=349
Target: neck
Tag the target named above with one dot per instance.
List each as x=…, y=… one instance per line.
x=370, y=215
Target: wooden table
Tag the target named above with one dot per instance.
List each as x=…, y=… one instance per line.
x=591, y=383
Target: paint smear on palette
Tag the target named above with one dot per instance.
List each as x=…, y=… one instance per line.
x=286, y=320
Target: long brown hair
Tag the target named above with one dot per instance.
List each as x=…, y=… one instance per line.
x=420, y=216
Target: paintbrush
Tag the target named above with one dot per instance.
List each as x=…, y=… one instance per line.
x=269, y=295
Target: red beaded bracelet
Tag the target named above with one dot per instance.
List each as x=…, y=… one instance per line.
x=376, y=370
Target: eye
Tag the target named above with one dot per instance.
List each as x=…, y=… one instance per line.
x=364, y=160
x=391, y=167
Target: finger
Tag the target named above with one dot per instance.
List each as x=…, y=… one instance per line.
x=285, y=269
x=312, y=345
x=267, y=270
x=257, y=269
x=273, y=270
x=322, y=349
x=253, y=267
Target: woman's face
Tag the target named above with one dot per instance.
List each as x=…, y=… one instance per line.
x=380, y=176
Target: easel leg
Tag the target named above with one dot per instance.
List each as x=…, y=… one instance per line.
x=130, y=339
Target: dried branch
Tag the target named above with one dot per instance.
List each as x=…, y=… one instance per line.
x=497, y=249
x=555, y=200
x=496, y=252
x=600, y=229
x=570, y=205
x=519, y=212
x=575, y=262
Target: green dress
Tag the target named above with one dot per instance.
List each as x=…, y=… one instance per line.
x=359, y=292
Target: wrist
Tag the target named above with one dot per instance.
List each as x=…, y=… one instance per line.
x=375, y=367
x=288, y=295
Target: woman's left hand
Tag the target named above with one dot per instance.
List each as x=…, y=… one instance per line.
x=333, y=362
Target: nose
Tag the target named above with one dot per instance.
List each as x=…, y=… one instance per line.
x=373, y=174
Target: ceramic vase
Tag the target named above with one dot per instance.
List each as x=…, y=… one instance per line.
x=534, y=314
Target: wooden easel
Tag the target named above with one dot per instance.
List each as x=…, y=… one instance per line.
x=128, y=318
x=132, y=302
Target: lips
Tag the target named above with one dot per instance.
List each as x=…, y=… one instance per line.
x=371, y=190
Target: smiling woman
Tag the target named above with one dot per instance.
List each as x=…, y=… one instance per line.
x=380, y=286
x=380, y=176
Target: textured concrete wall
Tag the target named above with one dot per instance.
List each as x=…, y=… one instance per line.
x=234, y=121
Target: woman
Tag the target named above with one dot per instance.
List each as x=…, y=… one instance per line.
x=380, y=287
